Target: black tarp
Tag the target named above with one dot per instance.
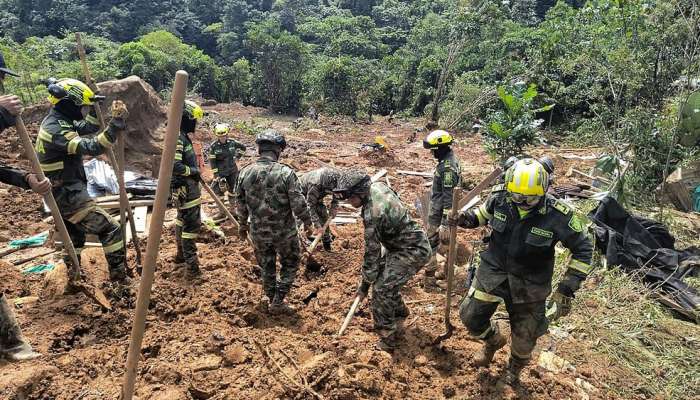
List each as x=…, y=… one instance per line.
x=645, y=247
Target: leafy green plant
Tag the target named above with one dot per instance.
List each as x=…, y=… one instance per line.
x=511, y=128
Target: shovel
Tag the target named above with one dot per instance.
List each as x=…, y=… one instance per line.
x=311, y=263
x=457, y=203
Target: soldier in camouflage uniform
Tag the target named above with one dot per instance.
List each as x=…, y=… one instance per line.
x=269, y=192
x=185, y=191
x=60, y=148
x=395, y=249
x=517, y=267
x=315, y=185
x=223, y=153
x=447, y=177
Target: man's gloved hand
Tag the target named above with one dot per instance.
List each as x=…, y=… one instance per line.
x=242, y=231
x=119, y=115
x=559, y=306
x=464, y=219
x=444, y=233
x=194, y=173
x=41, y=187
x=363, y=289
x=333, y=212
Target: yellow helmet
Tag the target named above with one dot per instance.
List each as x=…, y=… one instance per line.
x=72, y=89
x=527, y=177
x=436, y=139
x=222, y=129
x=192, y=110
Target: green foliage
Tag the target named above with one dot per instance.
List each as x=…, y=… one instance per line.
x=511, y=128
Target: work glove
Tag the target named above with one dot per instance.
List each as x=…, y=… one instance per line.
x=242, y=231
x=333, y=212
x=559, y=306
x=444, y=233
x=465, y=220
x=119, y=115
x=41, y=187
x=363, y=289
x=194, y=173
x=12, y=104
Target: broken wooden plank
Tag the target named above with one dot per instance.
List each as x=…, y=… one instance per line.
x=140, y=214
x=591, y=177
x=105, y=199
x=25, y=300
x=344, y=220
x=378, y=175
x=415, y=173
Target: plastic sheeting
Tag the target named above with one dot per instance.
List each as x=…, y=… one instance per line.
x=642, y=245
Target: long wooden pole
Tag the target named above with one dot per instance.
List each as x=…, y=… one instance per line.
x=351, y=313
x=49, y=199
x=219, y=203
x=124, y=207
x=154, y=232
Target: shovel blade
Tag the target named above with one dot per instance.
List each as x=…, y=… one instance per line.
x=95, y=295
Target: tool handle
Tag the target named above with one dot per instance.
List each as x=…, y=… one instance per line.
x=351, y=313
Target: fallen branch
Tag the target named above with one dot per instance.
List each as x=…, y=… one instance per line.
x=296, y=384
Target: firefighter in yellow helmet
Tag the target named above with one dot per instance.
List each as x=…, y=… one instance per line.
x=516, y=268
x=185, y=190
x=60, y=147
x=223, y=153
x=447, y=177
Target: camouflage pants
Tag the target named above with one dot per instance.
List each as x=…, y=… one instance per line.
x=266, y=254
x=322, y=212
x=188, y=223
x=388, y=307
x=527, y=320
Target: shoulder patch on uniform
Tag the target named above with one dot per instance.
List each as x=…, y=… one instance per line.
x=65, y=124
x=561, y=207
x=498, y=188
x=575, y=224
x=448, y=179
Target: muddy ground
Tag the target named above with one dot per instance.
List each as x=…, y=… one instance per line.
x=208, y=339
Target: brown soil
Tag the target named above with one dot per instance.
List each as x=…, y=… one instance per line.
x=208, y=338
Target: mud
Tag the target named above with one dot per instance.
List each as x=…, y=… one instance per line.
x=208, y=338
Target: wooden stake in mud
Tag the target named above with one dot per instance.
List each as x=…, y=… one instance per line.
x=93, y=293
x=457, y=203
x=155, y=230
x=124, y=207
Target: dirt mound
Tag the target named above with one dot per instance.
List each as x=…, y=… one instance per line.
x=147, y=114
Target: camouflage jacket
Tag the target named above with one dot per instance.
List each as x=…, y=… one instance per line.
x=222, y=157
x=521, y=248
x=185, y=165
x=60, y=147
x=387, y=223
x=318, y=184
x=447, y=176
x=269, y=192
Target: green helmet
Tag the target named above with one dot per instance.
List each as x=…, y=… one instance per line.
x=352, y=182
x=271, y=137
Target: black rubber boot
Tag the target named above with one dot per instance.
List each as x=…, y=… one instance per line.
x=12, y=343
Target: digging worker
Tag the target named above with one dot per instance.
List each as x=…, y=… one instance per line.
x=60, y=148
x=269, y=192
x=447, y=177
x=316, y=185
x=396, y=247
x=517, y=267
x=223, y=153
x=185, y=191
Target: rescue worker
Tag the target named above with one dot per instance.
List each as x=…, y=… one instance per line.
x=516, y=268
x=269, y=192
x=316, y=185
x=223, y=153
x=185, y=190
x=447, y=176
x=396, y=247
x=60, y=147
